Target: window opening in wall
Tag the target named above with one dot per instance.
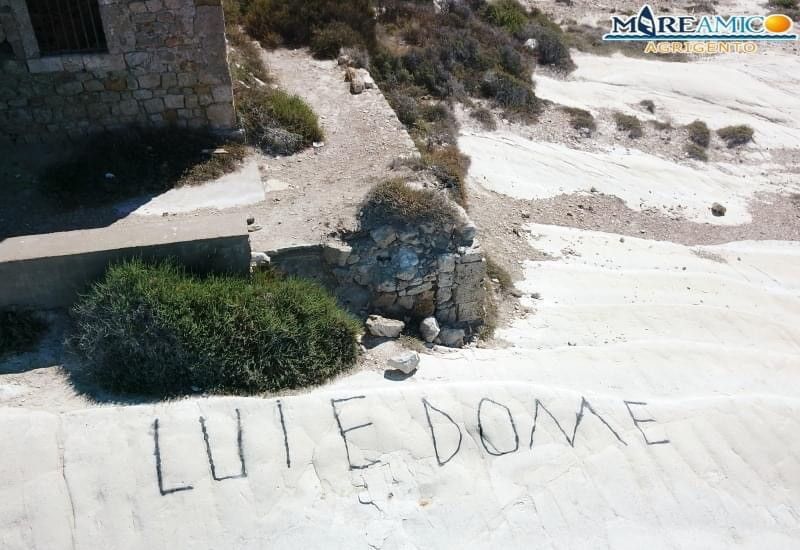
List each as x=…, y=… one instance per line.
x=67, y=26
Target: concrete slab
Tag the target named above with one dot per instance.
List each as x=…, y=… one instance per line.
x=48, y=271
x=240, y=188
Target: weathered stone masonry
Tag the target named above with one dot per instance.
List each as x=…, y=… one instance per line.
x=166, y=64
x=402, y=271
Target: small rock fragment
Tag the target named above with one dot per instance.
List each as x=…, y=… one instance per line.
x=429, y=328
x=259, y=258
x=357, y=85
x=452, y=337
x=718, y=210
x=406, y=361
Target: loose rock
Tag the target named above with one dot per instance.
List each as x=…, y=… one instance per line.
x=452, y=337
x=406, y=362
x=429, y=328
x=383, y=327
x=718, y=210
x=357, y=85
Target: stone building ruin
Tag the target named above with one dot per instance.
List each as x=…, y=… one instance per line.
x=70, y=68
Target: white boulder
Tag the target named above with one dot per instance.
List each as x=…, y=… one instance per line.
x=383, y=327
x=406, y=362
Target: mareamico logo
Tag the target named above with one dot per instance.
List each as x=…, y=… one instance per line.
x=645, y=26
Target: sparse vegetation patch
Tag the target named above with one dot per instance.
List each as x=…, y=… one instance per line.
x=696, y=152
x=699, y=134
x=580, y=118
x=397, y=201
x=273, y=120
x=786, y=7
x=629, y=124
x=485, y=117
x=735, y=136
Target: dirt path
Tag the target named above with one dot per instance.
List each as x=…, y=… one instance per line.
x=312, y=193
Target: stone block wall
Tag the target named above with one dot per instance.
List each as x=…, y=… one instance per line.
x=412, y=272
x=166, y=64
x=402, y=271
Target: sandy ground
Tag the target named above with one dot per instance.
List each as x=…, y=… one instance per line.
x=312, y=194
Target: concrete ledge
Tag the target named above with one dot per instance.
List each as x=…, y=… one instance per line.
x=50, y=271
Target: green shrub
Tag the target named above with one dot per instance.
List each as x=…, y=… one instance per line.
x=156, y=330
x=517, y=21
x=580, y=118
x=648, y=105
x=449, y=166
x=508, y=14
x=396, y=201
x=244, y=59
x=699, y=134
x=20, y=331
x=326, y=42
x=661, y=126
x=112, y=167
x=277, y=122
x=551, y=45
x=734, y=136
x=405, y=107
x=485, y=117
x=509, y=92
x=628, y=123
x=696, y=152
x=295, y=22
x=454, y=53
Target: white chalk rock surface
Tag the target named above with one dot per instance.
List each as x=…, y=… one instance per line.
x=490, y=465
x=526, y=169
x=652, y=402
x=722, y=90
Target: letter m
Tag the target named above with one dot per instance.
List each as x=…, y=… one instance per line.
x=618, y=24
x=585, y=406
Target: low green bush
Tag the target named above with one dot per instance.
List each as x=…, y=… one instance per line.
x=734, y=136
x=508, y=14
x=699, y=134
x=277, y=122
x=509, y=92
x=395, y=201
x=449, y=166
x=157, y=330
x=696, y=152
x=628, y=123
x=20, y=331
x=327, y=41
x=295, y=22
x=485, y=117
x=580, y=118
x=551, y=44
x=648, y=105
x=405, y=107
